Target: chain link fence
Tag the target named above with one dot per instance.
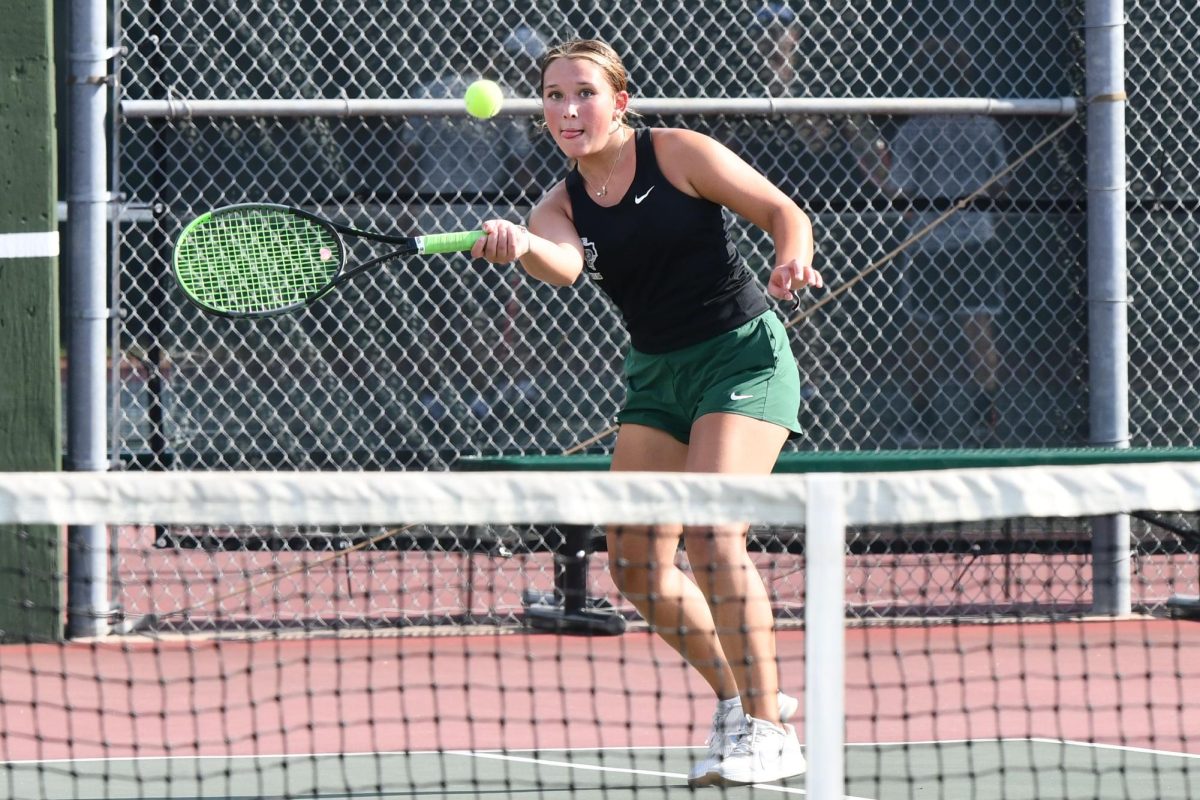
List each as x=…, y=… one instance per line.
x=417, y=366
x=1161, y=138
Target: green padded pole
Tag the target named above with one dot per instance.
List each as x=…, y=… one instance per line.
x=31, y=593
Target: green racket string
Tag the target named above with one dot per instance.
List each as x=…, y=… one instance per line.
x=255, y=260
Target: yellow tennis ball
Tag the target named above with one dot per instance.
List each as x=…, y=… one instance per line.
x=483, y=99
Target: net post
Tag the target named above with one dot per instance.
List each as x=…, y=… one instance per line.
x=824, y=639
x=1111, y=592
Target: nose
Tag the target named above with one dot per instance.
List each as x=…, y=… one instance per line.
x=570, y=109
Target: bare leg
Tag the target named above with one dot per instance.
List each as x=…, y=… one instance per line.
x=741, y=607
x=920, y=360
x=642, y=563
x=982, y=353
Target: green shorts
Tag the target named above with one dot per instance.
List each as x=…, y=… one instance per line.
x=749, y=371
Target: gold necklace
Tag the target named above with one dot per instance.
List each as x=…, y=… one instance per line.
x=603, y=190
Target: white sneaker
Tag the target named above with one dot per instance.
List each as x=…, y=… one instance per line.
x=728, y=721
x=762, y=753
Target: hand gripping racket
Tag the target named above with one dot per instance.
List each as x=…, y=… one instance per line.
x=261, y=260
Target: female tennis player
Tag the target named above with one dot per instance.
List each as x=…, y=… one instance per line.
x=711, y=382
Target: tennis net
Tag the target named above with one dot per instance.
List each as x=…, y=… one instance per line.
x=192, y=695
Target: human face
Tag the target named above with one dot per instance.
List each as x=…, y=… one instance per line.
x=581, y=107
x=779, y=70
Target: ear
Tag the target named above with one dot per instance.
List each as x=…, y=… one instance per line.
x=622, y=103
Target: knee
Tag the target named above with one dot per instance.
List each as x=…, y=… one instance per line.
x=636, y=569
x=630, y=580
x=714, y=551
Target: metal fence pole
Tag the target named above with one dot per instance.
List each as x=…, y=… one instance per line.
x=87, y=310
x=1108, y=329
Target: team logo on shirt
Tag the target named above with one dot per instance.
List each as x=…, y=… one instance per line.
x=589, y=259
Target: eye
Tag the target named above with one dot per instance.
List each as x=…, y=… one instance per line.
x=554, y=95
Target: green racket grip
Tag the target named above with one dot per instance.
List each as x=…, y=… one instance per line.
x=456, y=242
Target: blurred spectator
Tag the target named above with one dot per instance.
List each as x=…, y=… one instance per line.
x=820, y=158
x=520, y=60
x=464, y=170
x=457, y=159
x=815, y=159
x=951, y=276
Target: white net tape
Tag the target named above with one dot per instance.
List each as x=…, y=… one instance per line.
x=314, y=498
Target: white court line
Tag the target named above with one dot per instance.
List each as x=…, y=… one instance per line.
x=766, y=787
x=377, y=753
x=1126, y=748
x=567, y=764
x=1030, y=739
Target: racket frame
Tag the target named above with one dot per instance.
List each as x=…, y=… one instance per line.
x=404, y=246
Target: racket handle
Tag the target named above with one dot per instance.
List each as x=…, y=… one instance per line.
x=456, y=242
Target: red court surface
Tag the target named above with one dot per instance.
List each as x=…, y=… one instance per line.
x=1124, y=683
x=279, y=589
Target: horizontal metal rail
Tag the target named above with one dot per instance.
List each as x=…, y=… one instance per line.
x=183, y=108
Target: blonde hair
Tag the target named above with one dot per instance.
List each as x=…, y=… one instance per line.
x=594, y=50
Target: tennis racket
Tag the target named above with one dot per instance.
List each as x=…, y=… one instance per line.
x=262, y=260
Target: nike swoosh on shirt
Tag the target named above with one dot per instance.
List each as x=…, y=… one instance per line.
x=736, y=396
x=638, y=200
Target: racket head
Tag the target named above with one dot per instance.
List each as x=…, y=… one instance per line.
x=257, y=259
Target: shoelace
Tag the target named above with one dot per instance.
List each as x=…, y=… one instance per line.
x=746, y=738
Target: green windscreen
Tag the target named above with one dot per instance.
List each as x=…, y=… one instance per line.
x=255, y=260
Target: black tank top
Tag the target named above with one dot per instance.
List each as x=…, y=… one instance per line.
x=665, y=258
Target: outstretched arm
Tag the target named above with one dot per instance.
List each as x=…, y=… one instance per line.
x=549, y=249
